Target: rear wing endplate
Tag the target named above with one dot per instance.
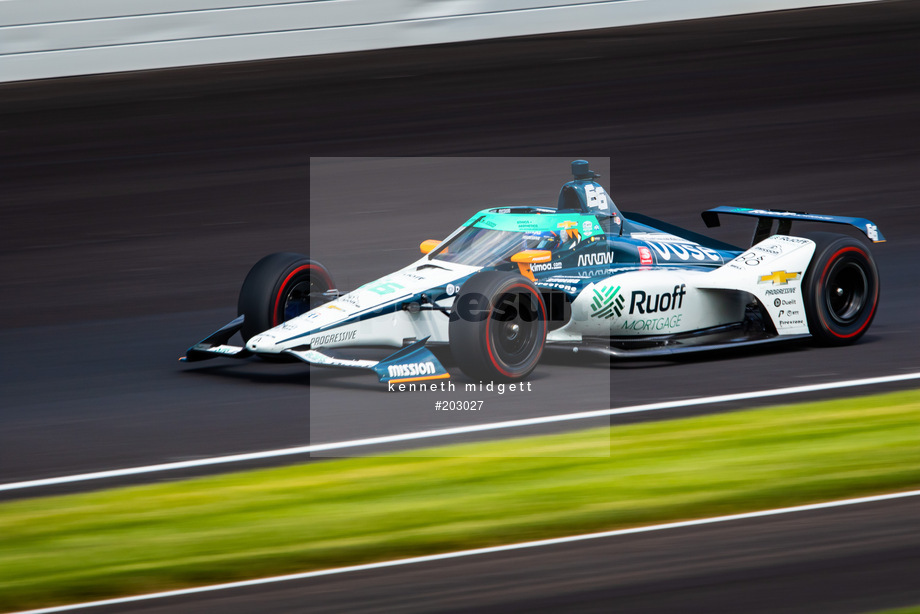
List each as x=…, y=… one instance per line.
x=765, y=219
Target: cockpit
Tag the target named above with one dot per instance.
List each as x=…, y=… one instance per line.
x=493, y=236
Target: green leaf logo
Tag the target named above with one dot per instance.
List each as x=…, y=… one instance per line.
x=607, y=302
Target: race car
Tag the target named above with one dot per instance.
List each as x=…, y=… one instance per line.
x=582, y=276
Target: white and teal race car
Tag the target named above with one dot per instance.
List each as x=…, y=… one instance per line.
x=512, y=281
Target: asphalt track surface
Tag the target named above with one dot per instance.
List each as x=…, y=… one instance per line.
x=133, y=205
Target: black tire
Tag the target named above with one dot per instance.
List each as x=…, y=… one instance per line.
x=497, y=327
x=280, y=287
x=841, y=289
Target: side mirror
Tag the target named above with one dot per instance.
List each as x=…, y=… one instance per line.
x=530, y=256
x=429, y=245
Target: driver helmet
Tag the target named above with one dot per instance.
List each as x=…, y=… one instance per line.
x=545, y=239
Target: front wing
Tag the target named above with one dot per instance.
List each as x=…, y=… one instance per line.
x=412, y=363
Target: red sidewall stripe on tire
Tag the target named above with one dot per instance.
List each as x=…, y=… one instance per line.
x=874, y=297
x=284, y=284
x=489, y=323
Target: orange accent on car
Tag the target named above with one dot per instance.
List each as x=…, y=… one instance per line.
x=419, y=379
x=429, y=245
x=524, y=268
x=533, y=255
x=527, y=257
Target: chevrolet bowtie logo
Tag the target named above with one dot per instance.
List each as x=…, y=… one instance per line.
x=779, y=278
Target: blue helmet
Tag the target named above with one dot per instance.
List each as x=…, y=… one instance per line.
x=546, y=239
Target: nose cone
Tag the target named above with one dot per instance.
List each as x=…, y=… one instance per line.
x=262, y=344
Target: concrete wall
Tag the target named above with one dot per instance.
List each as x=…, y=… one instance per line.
x=54, y=38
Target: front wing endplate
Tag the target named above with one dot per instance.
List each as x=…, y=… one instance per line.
x=413, y=363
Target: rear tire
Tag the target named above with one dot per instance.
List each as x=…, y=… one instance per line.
x=278, y=288
x=497, y=327
x=841, y=289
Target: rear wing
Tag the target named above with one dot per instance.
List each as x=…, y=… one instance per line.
x=765, y=219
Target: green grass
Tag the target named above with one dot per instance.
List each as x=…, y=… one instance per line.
x=245, y=525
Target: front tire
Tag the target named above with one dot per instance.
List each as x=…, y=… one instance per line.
x=497, y=327
x=280, y=287
x=841, y=289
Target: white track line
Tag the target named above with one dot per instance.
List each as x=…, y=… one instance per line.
x=493, y=426
x=475, y=552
